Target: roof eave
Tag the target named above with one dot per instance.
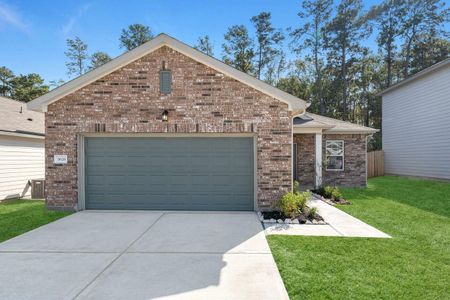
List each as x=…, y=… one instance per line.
x=424, y=72
x=351, y=131
x=315, y=127
x=23, y=135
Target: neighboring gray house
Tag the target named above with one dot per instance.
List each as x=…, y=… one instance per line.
x=416, y=124
x=21, y=148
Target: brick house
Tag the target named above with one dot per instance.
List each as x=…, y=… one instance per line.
x=167, y=127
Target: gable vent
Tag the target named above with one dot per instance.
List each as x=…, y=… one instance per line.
x=165, y=80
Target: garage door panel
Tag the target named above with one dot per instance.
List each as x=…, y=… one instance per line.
x=189, y=173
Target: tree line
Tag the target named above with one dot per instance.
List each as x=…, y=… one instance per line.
x=325, y=59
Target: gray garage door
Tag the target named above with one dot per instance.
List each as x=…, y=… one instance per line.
x=189, y=173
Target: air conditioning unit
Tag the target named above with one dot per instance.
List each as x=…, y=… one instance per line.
x=37, y=189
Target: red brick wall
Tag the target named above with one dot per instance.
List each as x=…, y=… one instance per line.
x=354, y=174
x=306, y=159
x=202, y=101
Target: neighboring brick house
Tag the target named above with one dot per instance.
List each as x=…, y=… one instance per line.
x=165, y=126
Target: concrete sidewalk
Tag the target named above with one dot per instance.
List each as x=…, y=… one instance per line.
x=339, y=224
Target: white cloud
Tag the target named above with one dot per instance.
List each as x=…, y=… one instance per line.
x=10, y=16
x=69, y=26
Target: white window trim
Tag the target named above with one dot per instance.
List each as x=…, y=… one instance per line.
x=343, y=156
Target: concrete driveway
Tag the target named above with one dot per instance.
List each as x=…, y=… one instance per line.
x=142, y=255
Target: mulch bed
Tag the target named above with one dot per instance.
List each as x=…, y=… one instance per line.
x=331, y=201
x=302, y=218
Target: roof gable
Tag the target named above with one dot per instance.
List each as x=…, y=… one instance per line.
x=41, y=103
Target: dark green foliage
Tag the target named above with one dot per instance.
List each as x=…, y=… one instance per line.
x=238, y=49
x=77, y=56
x=22, y=87
x=204, y=45
x=330, y=192
x=268, y=42
x=99, y=58
x=312, y=36
x=6, y=77
x=312, y=213
x=28, y=87
x=134, y=36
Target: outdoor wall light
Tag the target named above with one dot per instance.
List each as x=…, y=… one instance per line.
x=165, y=116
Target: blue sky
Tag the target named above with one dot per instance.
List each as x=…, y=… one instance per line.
x=33, y=33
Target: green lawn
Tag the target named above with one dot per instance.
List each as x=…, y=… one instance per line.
x=414, y=264
x=19, y=216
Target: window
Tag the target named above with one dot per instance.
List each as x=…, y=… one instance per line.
x=165, y=81
x=335, y=155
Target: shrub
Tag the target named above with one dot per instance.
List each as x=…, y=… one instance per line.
x=288, y=204
x=303, y=198
x=312, y=213
x=330, y=192
x=292, y=204
x=336, y=194
x=321, y=190
x=296, y=187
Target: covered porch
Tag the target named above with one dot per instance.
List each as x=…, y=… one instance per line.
x=327, y=151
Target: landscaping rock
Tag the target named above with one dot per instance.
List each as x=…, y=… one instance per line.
x=302, y=219
x=295, y=221
x=288, y=221
x=308, y=222
x=272, y=221
x=280, y=221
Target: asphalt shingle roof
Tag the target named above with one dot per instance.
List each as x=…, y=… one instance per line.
x=16, y=118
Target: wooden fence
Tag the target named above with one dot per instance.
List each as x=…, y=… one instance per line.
x=375, y=163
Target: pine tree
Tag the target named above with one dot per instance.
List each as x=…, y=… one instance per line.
x=134, y=36
x=204, y=45
x=77, y=55
x=238, y=49
x=311, y=37
x=389, y=16
x=346, y=31
x=99, y=58
x=269, y=41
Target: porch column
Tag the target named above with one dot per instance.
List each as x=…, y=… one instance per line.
x=318, y=159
